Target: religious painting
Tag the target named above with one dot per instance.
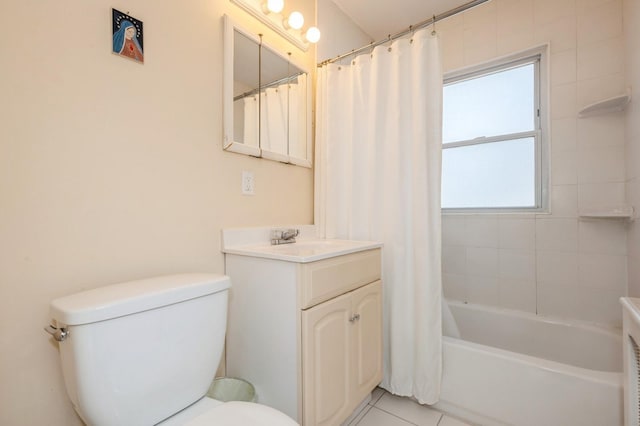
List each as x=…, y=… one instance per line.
x=127, y=36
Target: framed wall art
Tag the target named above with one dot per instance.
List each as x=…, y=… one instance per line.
x=127, y=36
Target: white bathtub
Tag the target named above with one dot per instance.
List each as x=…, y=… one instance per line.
x=512, y=368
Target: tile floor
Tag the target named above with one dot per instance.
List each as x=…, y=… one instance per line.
x=385, y=409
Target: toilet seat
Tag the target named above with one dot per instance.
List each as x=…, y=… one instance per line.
x=238, y=413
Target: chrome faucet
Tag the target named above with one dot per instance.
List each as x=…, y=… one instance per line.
x=284, y=236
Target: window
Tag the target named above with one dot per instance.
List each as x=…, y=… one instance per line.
x=493, y=156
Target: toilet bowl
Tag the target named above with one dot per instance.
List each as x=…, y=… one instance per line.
x=207, y=412
x=145, y=352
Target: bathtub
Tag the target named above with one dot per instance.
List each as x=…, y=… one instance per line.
x=513, y=368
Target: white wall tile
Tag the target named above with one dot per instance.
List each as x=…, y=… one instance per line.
x=452, y=23
x=633, y=283
x=519, y=265
x=602, y=236
x=633, y=236
x=633, y=148
x=480, y=44
x=599, y=306
x=454, y=286
x=452, y=43
x=563, y=135
x=564, y=200
x=482, y=262
x=483, y=15
x=557, y=234
x=632, y=192
x=454, y=260
x=600, y=23
x=564, y=169
x=563, y=67
x=600, y=195
x=583, y=6
x=515, y=42
x=560, y=33
x=514, y=25
x=482, y=231
x=453, y=230
x=557, y=268
x=603, y=271
x=563, y=101
x=514, y=233
x=600, y=58
x=519, y=295
x=514, y=16
x=556, y=300
x=601, y=165
x=546, y=11
x=600, y=88
x=483, y=290
x=600, y=131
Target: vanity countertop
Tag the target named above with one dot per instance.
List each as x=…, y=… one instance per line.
x=255, y=242
x=304, y=251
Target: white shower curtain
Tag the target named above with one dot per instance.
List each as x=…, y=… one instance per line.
x=378, y=159
x=250, y=120
x=273, y=119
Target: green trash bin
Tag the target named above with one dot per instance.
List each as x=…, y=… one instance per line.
x=227, y=389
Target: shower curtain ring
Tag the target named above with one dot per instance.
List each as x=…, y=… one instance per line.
x=433, y=31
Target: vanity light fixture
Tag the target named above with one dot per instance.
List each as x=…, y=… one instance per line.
x=312, y=35
x=295, y=21
x=291, y=26
x=273, y=6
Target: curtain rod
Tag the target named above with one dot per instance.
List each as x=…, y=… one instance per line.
x=286, y=79
x=409, y=30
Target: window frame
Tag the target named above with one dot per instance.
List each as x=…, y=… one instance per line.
x=538, y=57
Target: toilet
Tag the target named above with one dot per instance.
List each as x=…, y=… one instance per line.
x=145, y=352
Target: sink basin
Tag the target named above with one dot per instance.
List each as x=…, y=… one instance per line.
x=304, y=251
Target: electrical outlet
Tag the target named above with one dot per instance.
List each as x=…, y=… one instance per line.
x=247, y=183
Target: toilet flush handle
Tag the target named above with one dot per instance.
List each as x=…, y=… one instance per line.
x=60, y=334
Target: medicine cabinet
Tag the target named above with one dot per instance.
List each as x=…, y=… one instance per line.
x=267, y=99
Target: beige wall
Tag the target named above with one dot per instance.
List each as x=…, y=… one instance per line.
x=632, y=38
x=112, y=171
x=553, y=264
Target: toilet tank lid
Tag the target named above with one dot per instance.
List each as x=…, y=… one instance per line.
x=126, y=298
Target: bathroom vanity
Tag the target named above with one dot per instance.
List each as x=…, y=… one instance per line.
x=305, y=322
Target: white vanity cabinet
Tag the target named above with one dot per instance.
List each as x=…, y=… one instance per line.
x=307, y=333
x=341, y=354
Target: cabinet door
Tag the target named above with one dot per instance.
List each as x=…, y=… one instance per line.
x=366, y=370
x=326, y=343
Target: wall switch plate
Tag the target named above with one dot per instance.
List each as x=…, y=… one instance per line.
x=247, y=183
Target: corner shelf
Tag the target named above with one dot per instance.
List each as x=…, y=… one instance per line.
x=617, y=212
x=605, y=106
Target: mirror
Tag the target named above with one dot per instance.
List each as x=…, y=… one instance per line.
x=267, y=100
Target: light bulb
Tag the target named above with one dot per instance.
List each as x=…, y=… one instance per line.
x=295, y=20
x=275, y=6
x=313, y=35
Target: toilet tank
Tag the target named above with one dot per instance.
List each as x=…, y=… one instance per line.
x=139, y=352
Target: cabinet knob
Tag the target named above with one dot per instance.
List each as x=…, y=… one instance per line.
x=354, y=318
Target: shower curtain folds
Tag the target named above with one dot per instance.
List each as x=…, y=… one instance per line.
x=378, y=151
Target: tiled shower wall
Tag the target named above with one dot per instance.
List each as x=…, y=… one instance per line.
x=632, y=36
x=556, y=263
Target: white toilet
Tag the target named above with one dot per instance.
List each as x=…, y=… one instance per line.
x=145, y=352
